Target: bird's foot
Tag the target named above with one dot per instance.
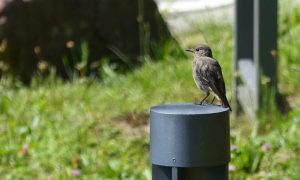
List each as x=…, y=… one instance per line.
x=197, y=103
x=201, y=103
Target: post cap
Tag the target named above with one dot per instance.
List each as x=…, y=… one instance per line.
x=189, y=135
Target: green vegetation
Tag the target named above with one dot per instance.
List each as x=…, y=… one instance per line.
x=88, y=129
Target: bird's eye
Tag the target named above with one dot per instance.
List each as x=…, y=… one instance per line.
x=197, y=49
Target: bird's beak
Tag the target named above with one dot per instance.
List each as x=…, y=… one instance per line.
x=190, y=50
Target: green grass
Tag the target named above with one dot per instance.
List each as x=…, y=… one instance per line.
x=50, y=129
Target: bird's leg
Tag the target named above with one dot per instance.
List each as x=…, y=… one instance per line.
x=213, y=100
x=201, y=102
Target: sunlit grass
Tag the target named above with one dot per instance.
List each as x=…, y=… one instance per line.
x=95, y=129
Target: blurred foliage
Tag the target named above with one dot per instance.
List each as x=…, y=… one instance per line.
x=88, y=129
x=289, y=54
x=61, y=32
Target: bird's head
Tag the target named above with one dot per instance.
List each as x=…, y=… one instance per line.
x=201, y=50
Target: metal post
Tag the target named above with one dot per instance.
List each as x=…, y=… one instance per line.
x=189, y=141
x=265, y=42
x=255, y=51
x=245, y=89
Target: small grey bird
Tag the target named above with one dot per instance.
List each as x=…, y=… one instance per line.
x=208, y=75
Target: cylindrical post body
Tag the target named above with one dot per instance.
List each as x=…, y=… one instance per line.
x=189, y=141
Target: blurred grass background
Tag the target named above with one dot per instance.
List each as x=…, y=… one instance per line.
x=91, y=129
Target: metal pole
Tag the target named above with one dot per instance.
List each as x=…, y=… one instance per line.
x=189, y=141
x=265, y=44
x=255, y=52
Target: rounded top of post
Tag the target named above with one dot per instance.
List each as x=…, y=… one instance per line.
x=188, y=109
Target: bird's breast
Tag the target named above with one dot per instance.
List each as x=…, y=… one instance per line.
x=202, y=85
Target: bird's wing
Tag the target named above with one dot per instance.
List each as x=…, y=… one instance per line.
x=217, y=76
x=216, y=82
x=211, y=73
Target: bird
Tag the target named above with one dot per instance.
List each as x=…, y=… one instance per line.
x=207, y=74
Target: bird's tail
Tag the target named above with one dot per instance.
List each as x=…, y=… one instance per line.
x=225, y=102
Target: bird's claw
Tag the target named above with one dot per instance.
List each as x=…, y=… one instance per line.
x=201, y=103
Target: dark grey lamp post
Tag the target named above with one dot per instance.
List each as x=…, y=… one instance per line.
x=189, y=141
